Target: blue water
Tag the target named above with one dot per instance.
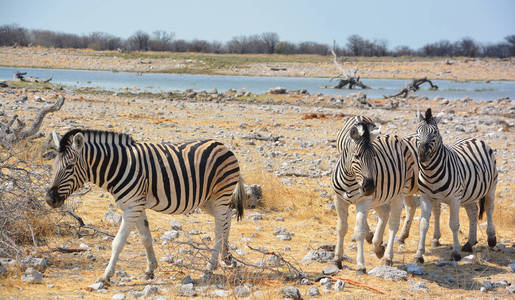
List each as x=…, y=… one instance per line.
x=118, y=81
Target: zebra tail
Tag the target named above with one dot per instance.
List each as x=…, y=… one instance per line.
x=239, y=198
x=481, y=207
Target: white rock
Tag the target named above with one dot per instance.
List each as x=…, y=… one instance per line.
x=150, y=290
x=241, y=291
x=118, y=297
x=170, y=235
x=187, y=290
x=32, y=276
x=339, y=285
x=388, y=273
x=175, y=225
x=220, y=293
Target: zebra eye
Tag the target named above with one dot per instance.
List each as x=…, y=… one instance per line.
x=69, y=167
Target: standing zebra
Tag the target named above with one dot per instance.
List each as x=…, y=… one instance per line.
x=371, y=173
x=461, y=173
x=342, y=144
x=172, y=179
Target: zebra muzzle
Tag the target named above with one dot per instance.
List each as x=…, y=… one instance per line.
x=53, y=199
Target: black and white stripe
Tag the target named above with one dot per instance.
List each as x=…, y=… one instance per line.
x=372, y=172
x=168, y=178
x=463, y=173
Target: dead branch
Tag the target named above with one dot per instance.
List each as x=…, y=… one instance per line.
x=68, y=250
x=88, y=226
x=414, y=86
x=298, y=273
x=357, y=283
x=10, y=136
x=21, y=77
x=260, y=137
x=350, y=78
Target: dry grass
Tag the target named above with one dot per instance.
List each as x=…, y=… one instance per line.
x=297, y=200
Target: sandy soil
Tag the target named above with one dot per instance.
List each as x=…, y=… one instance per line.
x=306, y=127
x=259, y=65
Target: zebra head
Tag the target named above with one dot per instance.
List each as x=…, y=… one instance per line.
x=69, y=168
x=361, y=158
x=428, y=139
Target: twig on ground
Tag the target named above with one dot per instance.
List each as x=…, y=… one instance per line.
x=360, y=284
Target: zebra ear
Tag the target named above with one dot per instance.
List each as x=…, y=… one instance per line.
x=56, y=140
x=438, y=117
x=356, y=132
x=375, y=132
x=420, y=117
x=78, y=141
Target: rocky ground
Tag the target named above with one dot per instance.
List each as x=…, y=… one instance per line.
x=286, y=145
x=259, y=65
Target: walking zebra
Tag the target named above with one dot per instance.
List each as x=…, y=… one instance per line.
x=168, y=178
x=372, y=172
x=461, y=173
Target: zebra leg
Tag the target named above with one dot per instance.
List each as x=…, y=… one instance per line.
x=489, y=208
x=362, y=208
x=129, y=219
x=436, y=233
x=369, y=236
x=411, y=207
x=425, y=216
x=454, y=224
x=222, y=213
x=342, y=209
x=472, y=239
x=382, y=211
x=395, y=219
x=146, y=239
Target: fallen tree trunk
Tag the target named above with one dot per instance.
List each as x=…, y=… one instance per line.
x=414, y=85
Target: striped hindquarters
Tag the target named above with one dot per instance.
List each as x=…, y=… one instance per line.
x=467, y=168
x=182, y=177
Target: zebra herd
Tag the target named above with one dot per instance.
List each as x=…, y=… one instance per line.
x=373, y=171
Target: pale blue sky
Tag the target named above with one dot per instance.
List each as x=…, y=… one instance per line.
x=403, y=22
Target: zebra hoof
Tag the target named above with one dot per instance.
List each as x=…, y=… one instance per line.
x=435, y=244
x=467, y=247
x=103, y=280
x=361, y=271
x=369, y=237
x=379, y=251
x=228, y=259
x=387, y=262
x=338, y=264
x=149, y=275
x=455, y=256
x=492, y=241
x=419, y=260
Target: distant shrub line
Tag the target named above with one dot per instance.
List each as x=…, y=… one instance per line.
x=265, y=43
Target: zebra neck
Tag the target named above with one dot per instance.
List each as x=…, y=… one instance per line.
x=437, y=161
x=107, y=164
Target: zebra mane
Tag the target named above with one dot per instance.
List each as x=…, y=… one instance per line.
x=67, y=139
x=428, y=115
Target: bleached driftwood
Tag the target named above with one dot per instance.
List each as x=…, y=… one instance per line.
x=347, y=77
x=414, y=85
x=14, y=131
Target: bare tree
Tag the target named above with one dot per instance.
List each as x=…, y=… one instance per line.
x=139, y=41
x=349, y=76
x=270, y=39
x=161, y=40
